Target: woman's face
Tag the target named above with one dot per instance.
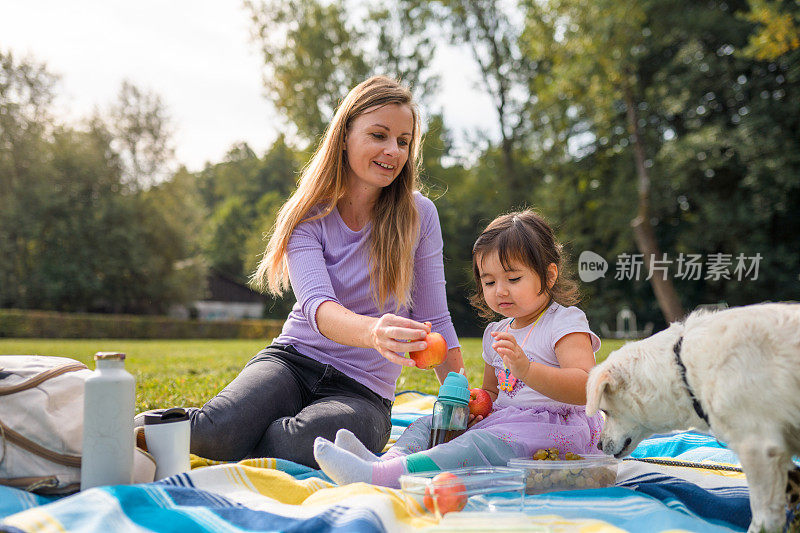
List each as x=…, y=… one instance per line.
x=377, y=145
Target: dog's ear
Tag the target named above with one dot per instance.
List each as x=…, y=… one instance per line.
x=600, y=378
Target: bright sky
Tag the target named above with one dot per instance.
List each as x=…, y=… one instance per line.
x=196, y=54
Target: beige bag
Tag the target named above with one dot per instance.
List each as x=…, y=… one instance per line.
x=41, y=425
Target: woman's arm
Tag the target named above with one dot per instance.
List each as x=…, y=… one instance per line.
x=326, y=315
x=566, y=383
x=312, y=286
x=385, y=334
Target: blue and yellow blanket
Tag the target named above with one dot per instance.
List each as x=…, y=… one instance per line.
x=680, y=482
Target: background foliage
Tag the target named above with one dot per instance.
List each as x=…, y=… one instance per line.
x=94, y=216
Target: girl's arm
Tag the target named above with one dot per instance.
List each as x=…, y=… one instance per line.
x=566, y=383
x=453, y=363
x=490, y=381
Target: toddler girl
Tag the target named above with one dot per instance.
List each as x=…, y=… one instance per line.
x=537, y=361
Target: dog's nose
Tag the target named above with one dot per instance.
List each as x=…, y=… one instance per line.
x=600, y=445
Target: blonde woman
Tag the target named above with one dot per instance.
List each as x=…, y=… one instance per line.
x=362, y=250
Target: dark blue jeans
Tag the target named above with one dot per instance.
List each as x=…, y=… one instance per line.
x=279, y=403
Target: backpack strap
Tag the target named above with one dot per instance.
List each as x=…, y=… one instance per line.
x=9, y=435
x=40, y=485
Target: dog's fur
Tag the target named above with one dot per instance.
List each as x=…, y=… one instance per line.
x=743, y=366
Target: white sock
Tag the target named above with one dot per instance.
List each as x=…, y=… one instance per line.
x=340, y=465
x=346, y=440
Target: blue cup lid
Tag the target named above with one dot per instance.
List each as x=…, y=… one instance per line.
x=455, y=388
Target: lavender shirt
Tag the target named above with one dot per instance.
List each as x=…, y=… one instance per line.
x=329, y=261
x=538, y=341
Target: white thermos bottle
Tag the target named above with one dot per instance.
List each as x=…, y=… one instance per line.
x=167, y=433
x=108, y=408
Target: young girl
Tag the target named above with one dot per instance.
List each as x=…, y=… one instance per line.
x=537, y=361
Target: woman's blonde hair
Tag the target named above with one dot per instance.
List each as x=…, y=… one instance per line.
x=395, y=221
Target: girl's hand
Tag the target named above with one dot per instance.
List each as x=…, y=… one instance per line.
x=513, y=357
x=473, y=419
x=393, y=335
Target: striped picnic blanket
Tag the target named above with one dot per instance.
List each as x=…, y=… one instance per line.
x=685, y=481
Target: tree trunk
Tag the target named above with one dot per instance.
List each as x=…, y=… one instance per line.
x=488, y=22
x=643, y=232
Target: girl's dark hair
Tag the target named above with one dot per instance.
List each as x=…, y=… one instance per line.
x=525, y=237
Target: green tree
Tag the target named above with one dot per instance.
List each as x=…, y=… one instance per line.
x=733, y=154
x=490, y=31
x=176, y=225
x=778, y=31
x=235, y=175
x=311, y=59
x=315, y=52
x=721, y=141
x=279, y=170
x=98, y=247
x=596, y=63
x=142, y=135
x=266, y=210
x=27, y=90
x=241, y=194
x=228, y=228
x=74, y=235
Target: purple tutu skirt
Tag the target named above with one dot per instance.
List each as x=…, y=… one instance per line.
x=556, y=425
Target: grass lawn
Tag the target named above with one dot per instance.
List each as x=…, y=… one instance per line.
x=189, y=372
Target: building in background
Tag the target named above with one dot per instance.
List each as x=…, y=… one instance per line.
x=226, y=299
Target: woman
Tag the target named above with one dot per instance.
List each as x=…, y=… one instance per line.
x=362, y=250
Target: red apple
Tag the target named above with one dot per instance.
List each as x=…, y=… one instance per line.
x=480, y=403
x=446, y=492
x=433, y=355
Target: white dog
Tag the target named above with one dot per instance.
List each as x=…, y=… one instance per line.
x=734, y=372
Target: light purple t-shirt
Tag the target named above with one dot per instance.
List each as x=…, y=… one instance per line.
x=329, y=261
x=540, y=346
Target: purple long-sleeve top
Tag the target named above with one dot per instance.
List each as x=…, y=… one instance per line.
x=329, y=261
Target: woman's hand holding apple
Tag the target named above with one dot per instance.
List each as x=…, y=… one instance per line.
x=392, y=335
x=435, y=352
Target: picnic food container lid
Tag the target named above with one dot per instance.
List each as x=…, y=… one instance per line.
x=174, y=414
x=455, y=387
x=476, y=480
x=109, y=356
x=596, y=460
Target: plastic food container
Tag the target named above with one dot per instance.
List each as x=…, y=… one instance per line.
x=481, y=489
x=592, y=472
